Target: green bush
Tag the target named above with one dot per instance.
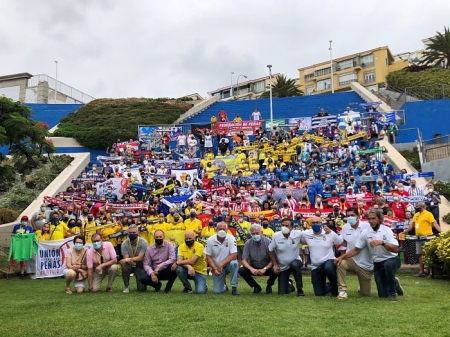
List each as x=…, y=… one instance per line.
x=413, y=158
x=8, y=215
x=100, y=123
x=443, y=188
x=26, y=189
x=404, y=78
x=446, y=218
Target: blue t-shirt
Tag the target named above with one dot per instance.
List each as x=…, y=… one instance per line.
x=27, y=229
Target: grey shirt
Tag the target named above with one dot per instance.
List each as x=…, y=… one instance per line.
x=257, y=254
x=131, y=250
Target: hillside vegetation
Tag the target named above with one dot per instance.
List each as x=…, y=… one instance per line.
x=415, y=77
x=100, y=123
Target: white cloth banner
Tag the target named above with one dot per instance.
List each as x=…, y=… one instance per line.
x=185, y=175
x=303, y=123
x=51, y=257
x=119, y=186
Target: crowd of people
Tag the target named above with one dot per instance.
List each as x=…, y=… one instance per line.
x=274, y=204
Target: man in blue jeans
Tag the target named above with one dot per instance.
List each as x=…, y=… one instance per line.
x=321, y=240
x=383, y=248
x=191, y=264
x=221, y=254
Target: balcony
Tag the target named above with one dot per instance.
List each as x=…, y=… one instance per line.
x=344, y=83
x=367, y=64
x=370, y=80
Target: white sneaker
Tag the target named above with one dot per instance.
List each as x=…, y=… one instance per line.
x=132, y=275
x=342, y=295
x=126, y=290
x=210, y=273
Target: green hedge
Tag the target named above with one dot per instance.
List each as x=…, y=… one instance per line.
x=405, y=78
x=101, y=122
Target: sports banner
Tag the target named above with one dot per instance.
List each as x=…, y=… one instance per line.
x=119, y=186
x=185, y=175
x=322, y=121
x=275, y=122
x=126, y=206
x=198, y=129
x=365, y=179
x=227, y=162
x=233, y=128
x=105, y=158
x=51, y=257
x=253, y=215
x=409, y=199
x=364, y=199
x=344, y=119
x=406, y=176
x=124, y=145
x=278, y=193
x=303, y=123
x=371, y=151
x=385, y=118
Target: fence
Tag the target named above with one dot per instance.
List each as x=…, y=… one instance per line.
x=427, y=92
x=436, y=148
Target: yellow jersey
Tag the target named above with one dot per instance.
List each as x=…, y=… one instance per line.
x=246, y=227
x=268, y=232
x=42, y=236
x=58, y=232
x=187, y=253
x=423, y=222
x=193, y=224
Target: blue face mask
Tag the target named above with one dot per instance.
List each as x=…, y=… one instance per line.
x=316, y=228
x=189, y=243
x=97, y=245
x=351, y=220
x=225, y=213
x=132, y=236
x=256, y=238
x=78, y=246
x=24, y=223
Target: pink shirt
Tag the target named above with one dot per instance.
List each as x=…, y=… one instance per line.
x=94, y=258
x=159, y=257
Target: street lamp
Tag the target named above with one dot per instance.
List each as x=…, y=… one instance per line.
x=56, y=82
x=237, y=83
x=231, y=85
x=331, y=67
x=270, y=96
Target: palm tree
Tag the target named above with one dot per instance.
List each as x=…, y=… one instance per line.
x=284, y=87
x=438, y=50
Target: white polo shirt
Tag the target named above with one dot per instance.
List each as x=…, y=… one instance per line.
x=286, y=249
x=320, y=246
x=351, y=235
x=220, y=251
x=378, y=253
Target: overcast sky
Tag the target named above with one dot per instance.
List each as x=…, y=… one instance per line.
x=134, y=48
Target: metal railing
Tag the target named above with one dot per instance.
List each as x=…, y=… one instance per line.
x=196, y=109
x=436, y=148
x=61, y=88
x=428, y=92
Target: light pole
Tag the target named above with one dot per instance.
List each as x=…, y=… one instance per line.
x=56, y=82
x=237, y=83
x=270, y=97
x=231, y=85
x=331, y=66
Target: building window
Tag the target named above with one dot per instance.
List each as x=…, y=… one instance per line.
x=324, y=84
x=308, y=78
x=367, y=60
x=309, y=90
x=259, y=86
x=322, y=72
x=369, y=77
x=347, y=78
x=346, y=64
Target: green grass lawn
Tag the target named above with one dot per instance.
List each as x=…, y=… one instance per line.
x=41, y=308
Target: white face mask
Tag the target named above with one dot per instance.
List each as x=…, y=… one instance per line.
x=430, y=189
x=221, y=234
x=285, y=230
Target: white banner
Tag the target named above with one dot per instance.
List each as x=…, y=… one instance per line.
x=119, y=186
x=135, y=173
x=183, y=175
x=51, y=257
x=303, y=123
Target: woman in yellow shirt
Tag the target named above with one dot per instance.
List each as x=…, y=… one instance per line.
x=44, y=233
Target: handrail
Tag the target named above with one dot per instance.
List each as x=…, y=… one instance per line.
x=196, y=108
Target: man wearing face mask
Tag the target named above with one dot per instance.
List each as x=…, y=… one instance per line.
x=256, y=260
x=221, y=254
x=144, y=230
x=284, y=254
x=193, y=224
x=361, y=264
x=101, y=261
x=321, y=240
x=158, y=261
x=58, y=228
x=423, y=222
x=133, y=251
x=88, y=228
x=191, y=264
x=245, y=225
x=266, y=230
x=285, y=211
x=110, y=196
x=383, y=248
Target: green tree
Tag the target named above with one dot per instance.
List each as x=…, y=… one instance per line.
x=24, y=137
x=438, y=50
x=283, y=87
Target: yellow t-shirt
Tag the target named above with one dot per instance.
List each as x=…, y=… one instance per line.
x=423, y=223
x=246, y=227
x=105, y=233
x=187, y=253
x=122, y=238
x=208, y=231
x=89, y=230
x=146, y=235
x=58, y=232
x=42, y=236
x=177, y=227
x=163, y=226
x=268, y=232
x=193, y=224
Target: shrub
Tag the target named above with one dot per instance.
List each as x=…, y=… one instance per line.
x=443, y=188
x=405, y=78
x=413, y=158
x=8, y=215
x=436, y=252
x=101, y=122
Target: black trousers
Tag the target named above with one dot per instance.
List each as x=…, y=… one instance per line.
x=165, y=274
x=248, y=276
x=295, y=268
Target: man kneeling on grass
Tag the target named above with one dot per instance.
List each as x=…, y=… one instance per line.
x=383, y=248
x=191, y=264
x=101, y=261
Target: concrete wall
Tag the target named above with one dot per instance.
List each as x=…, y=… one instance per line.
x=440, y=168
x=64, y=180
x=64, y=142
x=399, y=162
x=369, y=97
x=405, y=146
